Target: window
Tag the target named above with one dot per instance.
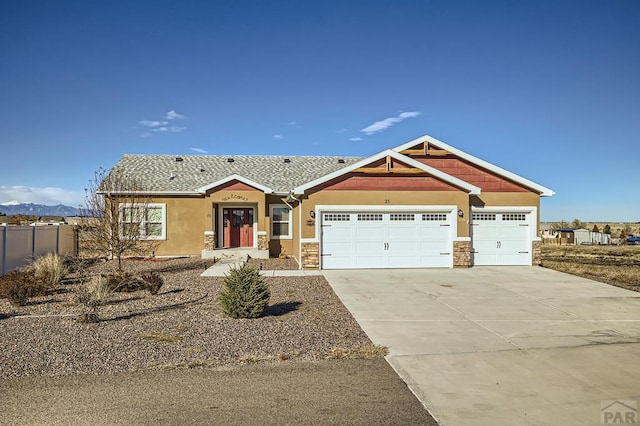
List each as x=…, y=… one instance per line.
x=434, y=216
x=365, y=217
x=336, y=217
x=483, y=216
x=280, y=222
x=147, y=222
x=402, y=217
x=514, y=216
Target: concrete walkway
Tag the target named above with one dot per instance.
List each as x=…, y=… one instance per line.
x=503, y=345
x=221, y=269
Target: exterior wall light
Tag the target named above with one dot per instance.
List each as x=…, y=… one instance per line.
x=460, y=213
x=312, y=213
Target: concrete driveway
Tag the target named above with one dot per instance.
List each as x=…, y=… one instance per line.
x=503, y=345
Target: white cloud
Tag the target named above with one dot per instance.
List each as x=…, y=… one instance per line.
x=48, y=195
x=278, y=136
x=355, y=139
x=172, y=115
x=160, y=126
x=293, y=123
x=341, y=131
x=201, y=151
x=149, y=123
x=381, y=125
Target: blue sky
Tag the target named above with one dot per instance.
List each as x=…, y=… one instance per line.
x=549, y=90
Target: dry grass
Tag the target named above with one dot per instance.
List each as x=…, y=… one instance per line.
x=160, y=336
x=361, y=352
x=617, y=265
x=49, y=269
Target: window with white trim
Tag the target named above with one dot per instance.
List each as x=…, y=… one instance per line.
x=145, y=221
x=281, y=223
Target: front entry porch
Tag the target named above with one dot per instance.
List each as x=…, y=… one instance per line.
x=235, y=233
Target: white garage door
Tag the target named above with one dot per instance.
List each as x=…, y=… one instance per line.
x=386, y=240
x=501, y=239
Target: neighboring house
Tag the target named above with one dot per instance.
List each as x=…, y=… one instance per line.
x=421, y=204
x=583, y=236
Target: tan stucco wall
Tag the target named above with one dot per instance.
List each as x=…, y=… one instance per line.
x=386, y=198
x=186, y=223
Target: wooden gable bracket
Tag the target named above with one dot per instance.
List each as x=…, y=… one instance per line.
x=390, y=169
x=426, y=151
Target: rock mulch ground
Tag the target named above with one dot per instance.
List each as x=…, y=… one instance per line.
x=274, y=264
x=182, y=326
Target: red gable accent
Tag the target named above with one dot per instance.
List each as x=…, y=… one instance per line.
x=487, y=181
x=234, y=185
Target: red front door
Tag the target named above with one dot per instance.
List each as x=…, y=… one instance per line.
x=238, y=227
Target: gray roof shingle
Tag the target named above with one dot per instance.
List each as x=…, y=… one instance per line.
x=164, y=173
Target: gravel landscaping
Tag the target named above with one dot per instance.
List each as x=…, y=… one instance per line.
x=181, y=327
x=274, y=264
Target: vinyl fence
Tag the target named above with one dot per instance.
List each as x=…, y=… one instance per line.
x=20, y=245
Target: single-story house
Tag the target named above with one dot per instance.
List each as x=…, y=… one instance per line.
x=420, y=204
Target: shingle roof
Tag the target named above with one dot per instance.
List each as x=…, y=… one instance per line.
x=164, y=173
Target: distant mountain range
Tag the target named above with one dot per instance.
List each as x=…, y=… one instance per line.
x=31, y=209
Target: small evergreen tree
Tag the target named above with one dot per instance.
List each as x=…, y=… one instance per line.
x=606, y=229
x=595, y=228
x=245, y=294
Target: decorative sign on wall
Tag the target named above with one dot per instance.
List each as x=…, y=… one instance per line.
x=311, y=222
x=234, y=197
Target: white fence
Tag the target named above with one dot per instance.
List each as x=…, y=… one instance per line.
x=20, y=245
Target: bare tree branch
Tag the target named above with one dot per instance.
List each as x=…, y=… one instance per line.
x=116, y=210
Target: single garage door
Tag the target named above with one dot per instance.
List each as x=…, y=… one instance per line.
x=386, y=240
x=500, y=239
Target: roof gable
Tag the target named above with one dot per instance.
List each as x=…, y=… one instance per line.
x=205, y=188
x=429, y=142
x=402, y=159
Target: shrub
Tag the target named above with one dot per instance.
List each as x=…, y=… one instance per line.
x=18, y=287
x=153, y=281
x=125, y=283
x=89, y=302
x=99, y=289
x=245, y=294
x=50, y=269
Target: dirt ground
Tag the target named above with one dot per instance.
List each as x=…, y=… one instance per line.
x=356, y=392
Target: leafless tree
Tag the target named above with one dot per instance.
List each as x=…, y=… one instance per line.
x=117, y=216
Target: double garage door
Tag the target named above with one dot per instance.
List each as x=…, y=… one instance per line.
x=386, y=240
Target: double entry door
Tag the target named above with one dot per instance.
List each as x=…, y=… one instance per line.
x=238, y=227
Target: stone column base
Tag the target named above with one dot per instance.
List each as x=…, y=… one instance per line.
x=536, y=256
x=461, y=254
x=209, y=240
x=310, y=257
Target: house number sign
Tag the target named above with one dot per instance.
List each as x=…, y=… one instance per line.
x=234, y=197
